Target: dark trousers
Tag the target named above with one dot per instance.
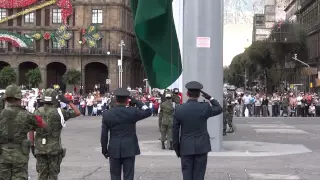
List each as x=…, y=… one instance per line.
x=317, y=111
x=116, y=164
x=90, y=108
x=83, y=110
x=244, y=108
x=275, y=110
x=299, y=111
x=194, y=166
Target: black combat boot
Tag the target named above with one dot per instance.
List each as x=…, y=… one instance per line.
x=171, y=146
x=231, y=130
x=224, y=132
x=162, y=145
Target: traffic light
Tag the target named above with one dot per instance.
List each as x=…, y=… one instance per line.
x=311, y=85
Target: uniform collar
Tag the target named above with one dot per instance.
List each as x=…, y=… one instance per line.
x=121, y=105
x=192, y=100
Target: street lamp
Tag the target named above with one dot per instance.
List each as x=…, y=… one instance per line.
x=122, y=44
x=296, y=59
x=81, y=47
x=147, y=85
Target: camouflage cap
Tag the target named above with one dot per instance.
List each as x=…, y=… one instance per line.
x=50, y=95
x=168, y=95
x=13, y=91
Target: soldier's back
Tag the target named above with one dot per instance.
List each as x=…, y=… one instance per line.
x=193, y=116
x=15, y=123
x=53, y=141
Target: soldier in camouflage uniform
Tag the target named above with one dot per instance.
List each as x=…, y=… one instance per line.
x=112, y=101
x=176, y=97
x=2, y=103
x=166, y=111
x=15, y=123
x=163, y=99
x=225, y=115
x=48, y=149
x=230, y=112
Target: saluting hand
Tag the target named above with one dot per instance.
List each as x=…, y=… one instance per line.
x=205, y=95
x=133, y=100
x=63, y=99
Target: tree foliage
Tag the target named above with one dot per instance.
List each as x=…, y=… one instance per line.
x=34, y=77
x=264, y=62
x=72, y=77
x=7, y=76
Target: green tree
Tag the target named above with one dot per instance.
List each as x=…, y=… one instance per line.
x=34, y=77
x=7, y=76
x=72, y=77
x=236, y=70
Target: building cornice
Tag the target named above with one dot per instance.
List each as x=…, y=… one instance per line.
x=289, y=5
x=102, y=4
x=304, y=5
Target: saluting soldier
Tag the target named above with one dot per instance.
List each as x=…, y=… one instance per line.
x=176, y=97
x=2, y=103
x=15, y=123
x=47, y=147
x=166, y=111
x=123, y=145
x=230, y=112
x=225, y=114
x=163, y=99
x=193, y=144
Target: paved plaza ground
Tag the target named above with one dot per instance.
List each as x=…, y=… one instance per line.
x=261, y=149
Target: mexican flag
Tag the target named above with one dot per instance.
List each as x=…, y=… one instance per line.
x=157, y=40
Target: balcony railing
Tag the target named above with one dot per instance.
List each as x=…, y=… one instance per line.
x=26, y=50
x=86, y=52
x=3, y=50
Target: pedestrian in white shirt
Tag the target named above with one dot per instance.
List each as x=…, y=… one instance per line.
x=299, y=105
x=99, y=108
x=246, y=104
x=312, y=110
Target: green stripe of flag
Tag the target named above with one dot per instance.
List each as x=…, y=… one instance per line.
x=157, y=41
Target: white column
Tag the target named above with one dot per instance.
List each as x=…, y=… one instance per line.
x=202, y=57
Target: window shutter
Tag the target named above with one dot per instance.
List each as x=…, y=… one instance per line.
x=47, y=17
x=10, y=22
x=38, y=17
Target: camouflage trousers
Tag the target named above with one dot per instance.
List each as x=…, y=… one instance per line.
x=225, y=116
x=13, y=171
x=230, y=119
x=166, y=133
x=48, y=166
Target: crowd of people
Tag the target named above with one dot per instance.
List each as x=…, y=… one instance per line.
x=278, y=104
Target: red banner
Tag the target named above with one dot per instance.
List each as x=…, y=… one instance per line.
x=11, y=4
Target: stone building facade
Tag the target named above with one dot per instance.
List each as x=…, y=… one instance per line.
x=114, y=21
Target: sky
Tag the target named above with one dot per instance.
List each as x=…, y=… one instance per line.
x=236, y=37
x=238, y=17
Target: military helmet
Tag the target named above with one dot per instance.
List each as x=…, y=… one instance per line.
x=13, y=91
x=168, y=95
x=50, y=95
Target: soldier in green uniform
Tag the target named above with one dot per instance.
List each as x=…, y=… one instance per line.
x=230, y=112
x=15, y=123
x=176, y=97
x=112, y=101
x=48, y=149
x=166, y=110
x=163, y=99
x=225, y=115
x=2, y=103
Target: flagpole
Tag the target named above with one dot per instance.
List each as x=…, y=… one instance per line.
x=202, y=54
